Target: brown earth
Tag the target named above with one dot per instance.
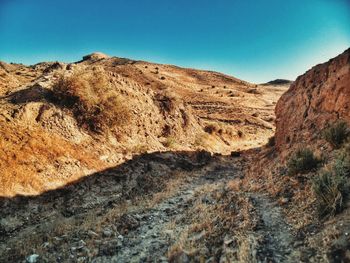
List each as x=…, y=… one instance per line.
x=153, y=194
x=317, y=98
x=45, y=143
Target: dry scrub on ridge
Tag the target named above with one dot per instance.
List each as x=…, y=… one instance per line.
x=93, y=99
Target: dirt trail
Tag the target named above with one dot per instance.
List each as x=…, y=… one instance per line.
x=196, y=216
x=151, y=240
x=277, y=239
x=155, y=234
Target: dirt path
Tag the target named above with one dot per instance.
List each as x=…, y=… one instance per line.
x=277, y=239
x=151, y=240
x=198, y=217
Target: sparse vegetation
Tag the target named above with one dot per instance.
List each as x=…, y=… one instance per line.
x=302, y=161
x=342, y=164
x=337, y=133
x=211, y=128
x=170, y=142
x=240, y=133
x=93, y=102
x=330, y=190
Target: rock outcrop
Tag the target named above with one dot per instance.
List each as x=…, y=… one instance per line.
x=95, y=56
x=315, y=99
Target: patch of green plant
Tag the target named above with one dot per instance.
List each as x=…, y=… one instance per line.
x=336, y=134
x=302, y=161
x=342, y=164
x=331, y=190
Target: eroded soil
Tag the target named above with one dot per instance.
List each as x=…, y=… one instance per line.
x=161, y=207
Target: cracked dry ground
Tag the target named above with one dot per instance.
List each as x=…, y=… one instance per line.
x=160, y=207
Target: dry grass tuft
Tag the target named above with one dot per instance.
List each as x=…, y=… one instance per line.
x=302, y=161
x=337, y=133
x=330, y=190
x=93, y=100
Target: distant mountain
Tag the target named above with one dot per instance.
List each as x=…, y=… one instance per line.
x=278, y=82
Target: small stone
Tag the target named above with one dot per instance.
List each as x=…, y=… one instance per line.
x=298, y=243
x=284, y=200
x=228, y=241
x=92, y=233
x=45, y=245
x=120, y=237
x=107, y=233
x=32, y=258
x=82, y=243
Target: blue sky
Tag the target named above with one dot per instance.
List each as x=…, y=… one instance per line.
x=255, y=40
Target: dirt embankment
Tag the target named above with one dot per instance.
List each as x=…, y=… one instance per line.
x=306, y=166
x=314, y=100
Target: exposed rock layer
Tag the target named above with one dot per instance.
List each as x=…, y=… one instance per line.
x=319, y=97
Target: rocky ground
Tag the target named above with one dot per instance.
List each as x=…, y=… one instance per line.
x=159, y=208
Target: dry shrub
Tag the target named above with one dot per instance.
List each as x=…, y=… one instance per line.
x=336, y=133
x=92, y=98
x=330, y=189
x=342, y=162
x=210, y=128
x=302, y=161
x=331, y=186
x=167, y=102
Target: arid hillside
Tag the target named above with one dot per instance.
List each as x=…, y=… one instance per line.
x=159, y=188
x=61, y=121
x=306, y=166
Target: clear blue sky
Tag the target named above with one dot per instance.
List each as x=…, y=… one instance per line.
x=256, y=40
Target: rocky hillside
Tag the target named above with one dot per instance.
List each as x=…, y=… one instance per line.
x=306, y=166
x=316, y=99
x=62, y=121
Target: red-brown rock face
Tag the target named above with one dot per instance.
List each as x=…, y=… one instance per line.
x=320, y=96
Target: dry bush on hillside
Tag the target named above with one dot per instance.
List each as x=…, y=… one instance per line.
x=94, y=102
x=337, y=133
x=342, y=161
x=167, y=101
x=330, y=189
x=211, y=128
x=302, y=161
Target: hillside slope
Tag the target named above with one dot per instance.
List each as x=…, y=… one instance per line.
x=306, y=168
x=316, y=99
x=61, y=121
